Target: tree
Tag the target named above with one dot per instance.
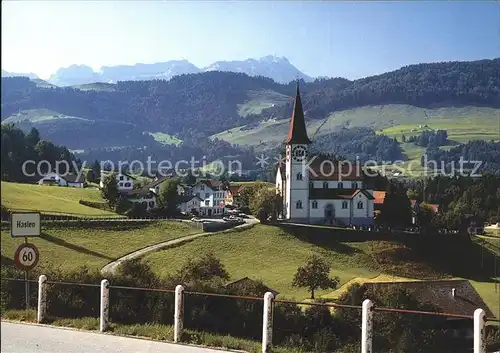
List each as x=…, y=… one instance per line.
x=396, y=209
x=314, y=274
x=169, y=198
x=96, y=168
x=109, y=190
x=90, y=176
x=204, y=268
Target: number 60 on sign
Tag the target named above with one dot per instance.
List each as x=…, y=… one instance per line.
x=26, y=256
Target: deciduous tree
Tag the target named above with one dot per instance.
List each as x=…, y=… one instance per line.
x=314, y=274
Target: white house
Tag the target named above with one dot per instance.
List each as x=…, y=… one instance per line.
x=124, y=182
x=70, y=180
x=319, y=189
x=142, y=196
x=190, y=204
x=212, y=194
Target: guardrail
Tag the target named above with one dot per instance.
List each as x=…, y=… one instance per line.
x=368, y=310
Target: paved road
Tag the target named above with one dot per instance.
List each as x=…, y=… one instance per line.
x=112, y=266
x=25, y=338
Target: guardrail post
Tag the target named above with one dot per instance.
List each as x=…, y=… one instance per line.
x=267, y=324
x=42, y=298
x=366, y=326
x=104, y=317
x=479, y=334
x=179, y=313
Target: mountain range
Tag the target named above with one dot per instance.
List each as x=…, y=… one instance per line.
x=277, y=68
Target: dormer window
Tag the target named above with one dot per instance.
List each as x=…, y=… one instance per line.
x=325, y=185
x=341, y=186
x=354, y=185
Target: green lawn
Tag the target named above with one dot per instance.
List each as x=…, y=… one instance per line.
x=257, y=101
x=71, y=248
x=165, y=138
x=51, y=199
x=40, y=115
x=273, y=255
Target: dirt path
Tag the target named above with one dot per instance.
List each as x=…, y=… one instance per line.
x=112, y=266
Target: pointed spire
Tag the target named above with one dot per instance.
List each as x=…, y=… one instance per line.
x=297, y=133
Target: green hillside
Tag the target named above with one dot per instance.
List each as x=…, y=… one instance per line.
x=97, y=86
x=462, y=123
x=51, y=199
x=252, y=253
x=165, y=138
x=260, y=100
x=40, y=116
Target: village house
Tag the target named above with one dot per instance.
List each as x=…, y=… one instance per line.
x=142, y=196
x=449, y=296
x=233, y=196
x=124, y=181
x=213, y=194
x=326, y=192
x=69, y=180
x=190, y=204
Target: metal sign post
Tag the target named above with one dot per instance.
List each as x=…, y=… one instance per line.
x=24, y=225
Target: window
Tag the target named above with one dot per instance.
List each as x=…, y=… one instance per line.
x=121, y=177
x=341, y=186
x=298, y=205
x=207, y=202
x=315, y=204
x=299, y=176
x=144, y=203
x=127, y=185
x=202, y=187
x=344, y=205
x=325, y=185
x=151, y=204
x=354, y=185
x=120, y=184
x=360, y=205
x=207, y=195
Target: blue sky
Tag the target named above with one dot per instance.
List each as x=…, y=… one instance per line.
x=321, y=38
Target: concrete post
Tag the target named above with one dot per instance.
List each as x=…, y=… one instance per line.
x=366, y=326
x=42, y=298
x=104, y=317
x=479, y=333
x=179, y=313
x=267, y=324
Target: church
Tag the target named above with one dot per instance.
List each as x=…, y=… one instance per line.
x=318, y=189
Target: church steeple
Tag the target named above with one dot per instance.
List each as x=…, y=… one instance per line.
x=297, y=133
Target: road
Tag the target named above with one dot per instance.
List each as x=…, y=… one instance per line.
x=26, y=338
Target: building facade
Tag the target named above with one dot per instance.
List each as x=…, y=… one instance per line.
x=319, y=189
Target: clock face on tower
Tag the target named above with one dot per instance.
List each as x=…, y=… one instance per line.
x=299, y=153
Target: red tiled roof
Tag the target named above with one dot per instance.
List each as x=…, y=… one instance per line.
x=379, y=197
x=235, y=189
x=323, y=168
x=297, y=132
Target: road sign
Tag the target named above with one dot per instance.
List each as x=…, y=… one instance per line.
x=24, y=225
x=26, y=256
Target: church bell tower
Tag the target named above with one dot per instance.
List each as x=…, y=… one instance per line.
x=296, y=200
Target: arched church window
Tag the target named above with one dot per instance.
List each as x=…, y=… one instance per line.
x=298, y=205
x=299, y=176
x=360, y=205
x=325, y=185
x=315, y=204
x=344, y=205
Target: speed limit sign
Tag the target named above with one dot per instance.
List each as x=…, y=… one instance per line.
x=26, y=257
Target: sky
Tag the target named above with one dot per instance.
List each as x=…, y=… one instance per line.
x=321, y=38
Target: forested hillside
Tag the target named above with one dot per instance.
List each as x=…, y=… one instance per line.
x=208, y=102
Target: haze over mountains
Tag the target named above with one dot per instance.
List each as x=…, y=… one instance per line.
x=277, y=68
